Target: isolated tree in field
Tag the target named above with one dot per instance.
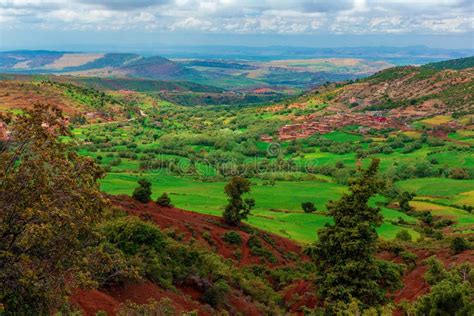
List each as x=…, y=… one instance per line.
x=238, y=208
x=404, y=201
x=308, y=207
x=49, y=203
x=164, y=200
x=142, y=193
x=345, y=252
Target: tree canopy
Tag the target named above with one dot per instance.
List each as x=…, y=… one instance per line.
x=49, y=202
x=238, y=208
x=345, y=252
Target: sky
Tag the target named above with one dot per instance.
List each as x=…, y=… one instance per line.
x=125, y=25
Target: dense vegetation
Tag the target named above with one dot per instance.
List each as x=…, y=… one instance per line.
x=347, y=195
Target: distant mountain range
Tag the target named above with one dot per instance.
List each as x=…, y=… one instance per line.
x=290, y=68
x=395, y=55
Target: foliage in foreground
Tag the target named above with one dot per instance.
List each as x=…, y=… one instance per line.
x=49, y=203
x=451, y=293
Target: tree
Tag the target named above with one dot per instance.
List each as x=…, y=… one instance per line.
x=238, y=208
x=345, y=252
x=142, y=193
x=308, y=207
x=404, y=201
x=164, y=200
x=50, y=201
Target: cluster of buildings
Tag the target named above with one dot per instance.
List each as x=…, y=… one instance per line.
x=326, y=124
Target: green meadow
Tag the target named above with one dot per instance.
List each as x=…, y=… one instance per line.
x=277, y=209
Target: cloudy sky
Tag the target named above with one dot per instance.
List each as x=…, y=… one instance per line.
x=324, y=23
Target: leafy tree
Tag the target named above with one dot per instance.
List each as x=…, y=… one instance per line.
x=238, y=208
x=404, y=201
x=50, y=201
x=345, y=252
x=308, y=207
x=164, y=200
x=427, y=218
x=142, y=193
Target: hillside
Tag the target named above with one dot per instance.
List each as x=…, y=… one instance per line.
x=410, y=91
x=133, y=142
x=82, y=94
x=281, y=264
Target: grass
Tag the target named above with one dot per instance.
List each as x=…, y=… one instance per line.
x=277, y=209
x=342, y=137
x=461, y=217
x=437, y=187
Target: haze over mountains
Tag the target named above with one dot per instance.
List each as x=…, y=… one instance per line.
x=236, y=68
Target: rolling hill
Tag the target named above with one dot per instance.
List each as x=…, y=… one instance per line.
x=231, y=74
x=433, y=89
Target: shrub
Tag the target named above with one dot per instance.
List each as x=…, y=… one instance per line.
x=233, y=238
x=258, y=250
x=164, y=200
x=409, y=258
x=163, y=307
x=216, y=294
x=308, y=207
x=458, y=245
x=458, y=173
x=143, y=192
x=403, y=235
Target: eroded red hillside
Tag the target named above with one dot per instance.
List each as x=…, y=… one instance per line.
x=208, y=231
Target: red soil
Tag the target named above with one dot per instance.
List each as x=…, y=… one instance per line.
x=193, y=225
x=299, y=295
x=414, y=282
x=187, y=298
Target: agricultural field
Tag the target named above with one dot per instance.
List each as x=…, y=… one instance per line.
x=190, y=152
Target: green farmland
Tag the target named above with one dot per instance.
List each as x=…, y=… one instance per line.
x=278, y=207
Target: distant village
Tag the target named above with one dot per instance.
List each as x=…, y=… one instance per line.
x=326, y=124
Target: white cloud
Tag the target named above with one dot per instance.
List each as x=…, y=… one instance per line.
x=245, y=16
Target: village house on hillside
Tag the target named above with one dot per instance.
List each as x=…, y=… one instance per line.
x=326, y=124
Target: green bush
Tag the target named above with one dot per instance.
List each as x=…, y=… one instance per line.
x=403, y=235
x=458, y=245
x=308, y=207
x=409, y=258
x=164, y=200
x=258, y=250
x=216, y=294
x=233, y=238
x=142, y=193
